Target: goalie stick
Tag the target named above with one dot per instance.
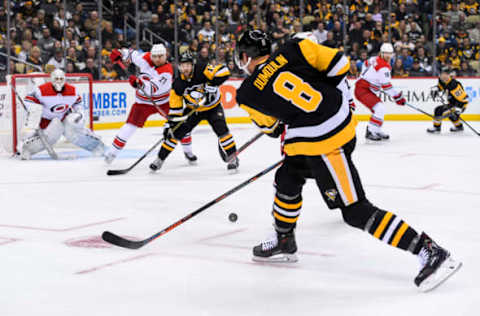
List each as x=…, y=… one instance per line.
x=131, y=244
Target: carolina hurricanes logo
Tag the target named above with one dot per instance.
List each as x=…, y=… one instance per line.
x=147, y=78
x=59, y=108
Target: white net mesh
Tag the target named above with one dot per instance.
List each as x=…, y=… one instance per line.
x=12, y=112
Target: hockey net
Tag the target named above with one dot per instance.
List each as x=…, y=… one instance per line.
x=13, y=115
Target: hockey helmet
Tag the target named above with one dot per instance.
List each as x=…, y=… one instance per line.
x=386, y=48
x=253, y=44
x=58, y=79
x=186, y=57
x=158, y=49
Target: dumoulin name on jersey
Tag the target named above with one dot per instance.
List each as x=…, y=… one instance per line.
x=298, y=86
x=55, y=104
x=157, y=80
x=376, y=73
x=456, y=94
x=203, y=84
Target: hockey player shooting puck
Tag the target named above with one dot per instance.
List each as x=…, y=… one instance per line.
x=233, y=217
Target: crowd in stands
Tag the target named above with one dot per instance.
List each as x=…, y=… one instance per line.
x=39, y=41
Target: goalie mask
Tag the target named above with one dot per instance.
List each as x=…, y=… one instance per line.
x=251, y=44
x=58, y=79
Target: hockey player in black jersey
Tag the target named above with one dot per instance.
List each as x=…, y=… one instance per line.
x=301, y=89
x=196, y=89
x=457, y=103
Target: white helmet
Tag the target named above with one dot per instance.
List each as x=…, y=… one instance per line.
x=386, y=48
x=58, y=79
x=158, y=49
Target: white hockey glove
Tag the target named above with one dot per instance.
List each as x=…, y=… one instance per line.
x=75, y=119
x=34, y=116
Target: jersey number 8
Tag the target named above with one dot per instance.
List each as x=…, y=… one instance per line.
x=301, y=94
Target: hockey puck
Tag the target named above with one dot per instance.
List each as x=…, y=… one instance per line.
x=233, y=217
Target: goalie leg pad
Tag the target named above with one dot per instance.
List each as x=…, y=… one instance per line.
x=83, y=137
x=32, y=144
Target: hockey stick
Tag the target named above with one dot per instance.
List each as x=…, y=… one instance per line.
x=124, y=171
x=131, y=244
x=460, y=118
x=51, y=152
x=244, y=146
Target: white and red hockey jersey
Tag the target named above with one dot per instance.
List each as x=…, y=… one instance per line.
x=55, y=104
x=377, y=74
x=157, y=80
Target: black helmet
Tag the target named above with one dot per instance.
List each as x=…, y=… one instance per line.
x=186, y=57
x=253, y=44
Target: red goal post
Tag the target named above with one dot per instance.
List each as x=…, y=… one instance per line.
x=13, y=114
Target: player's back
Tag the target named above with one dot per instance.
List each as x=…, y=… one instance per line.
x=289, y=88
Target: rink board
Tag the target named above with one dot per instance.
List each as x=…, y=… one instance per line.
x=112, y=101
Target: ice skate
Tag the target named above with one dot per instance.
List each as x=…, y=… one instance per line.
x=191, y=158
x=383, y=135
x=156, y=164
x=456, y=129
x=372, y=136
x=110, y=156
x=232, y=166
x=436, y=265
x=433, y=130
x=280, y=247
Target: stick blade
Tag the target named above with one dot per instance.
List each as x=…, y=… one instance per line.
x=120, y=241
x=117, y=172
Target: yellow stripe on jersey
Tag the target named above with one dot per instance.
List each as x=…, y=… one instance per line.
x=383, y=225
x=175, y=100
x=318, y=56
x=216, y=71
x=266, y=123
x=324, y=146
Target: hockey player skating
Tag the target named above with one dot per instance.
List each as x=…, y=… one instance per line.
x=457, y=103
x=196, y=89
x=297, y=86
x=56, y=108
x=375, y=77
x=153, y=83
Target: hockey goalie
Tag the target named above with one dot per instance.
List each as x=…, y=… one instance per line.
x=55, y=109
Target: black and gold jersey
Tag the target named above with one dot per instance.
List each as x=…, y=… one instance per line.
x=455, y=92
x=202, y=86
x=298, y=86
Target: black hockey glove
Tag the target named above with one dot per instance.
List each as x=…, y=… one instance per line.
x=277, y=131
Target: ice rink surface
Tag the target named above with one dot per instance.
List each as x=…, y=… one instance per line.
x=53, y=261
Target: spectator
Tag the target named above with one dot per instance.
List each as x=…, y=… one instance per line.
x=474, y=34
x=330, y=42
x=70, y=68
x=46, y=43
x=107, y=33
x=92, y=22
x=57, y=60
x=279, y=32
x=416, y=70
x=108, y=72
x=203, y=56
x=424, y=60
x=145, y=15
x=91, y=68
x=320, y=33
x=356, y=34
x=398, y=69
x=466, y=70
x=361, y=61
x=35, y=58
x=206, y=34
x=26, y=47
x=454, y=60
x=56, y=31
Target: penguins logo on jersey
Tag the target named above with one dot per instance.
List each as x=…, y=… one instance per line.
x=194, y=95
x=331, y=194
x=59, y=108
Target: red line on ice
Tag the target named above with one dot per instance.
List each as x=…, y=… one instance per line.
x=114, y=263
x=62, y=229
x=7, y=240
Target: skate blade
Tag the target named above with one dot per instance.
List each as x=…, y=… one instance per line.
x=280, y=258
x=192, y=163
x=446, y=270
